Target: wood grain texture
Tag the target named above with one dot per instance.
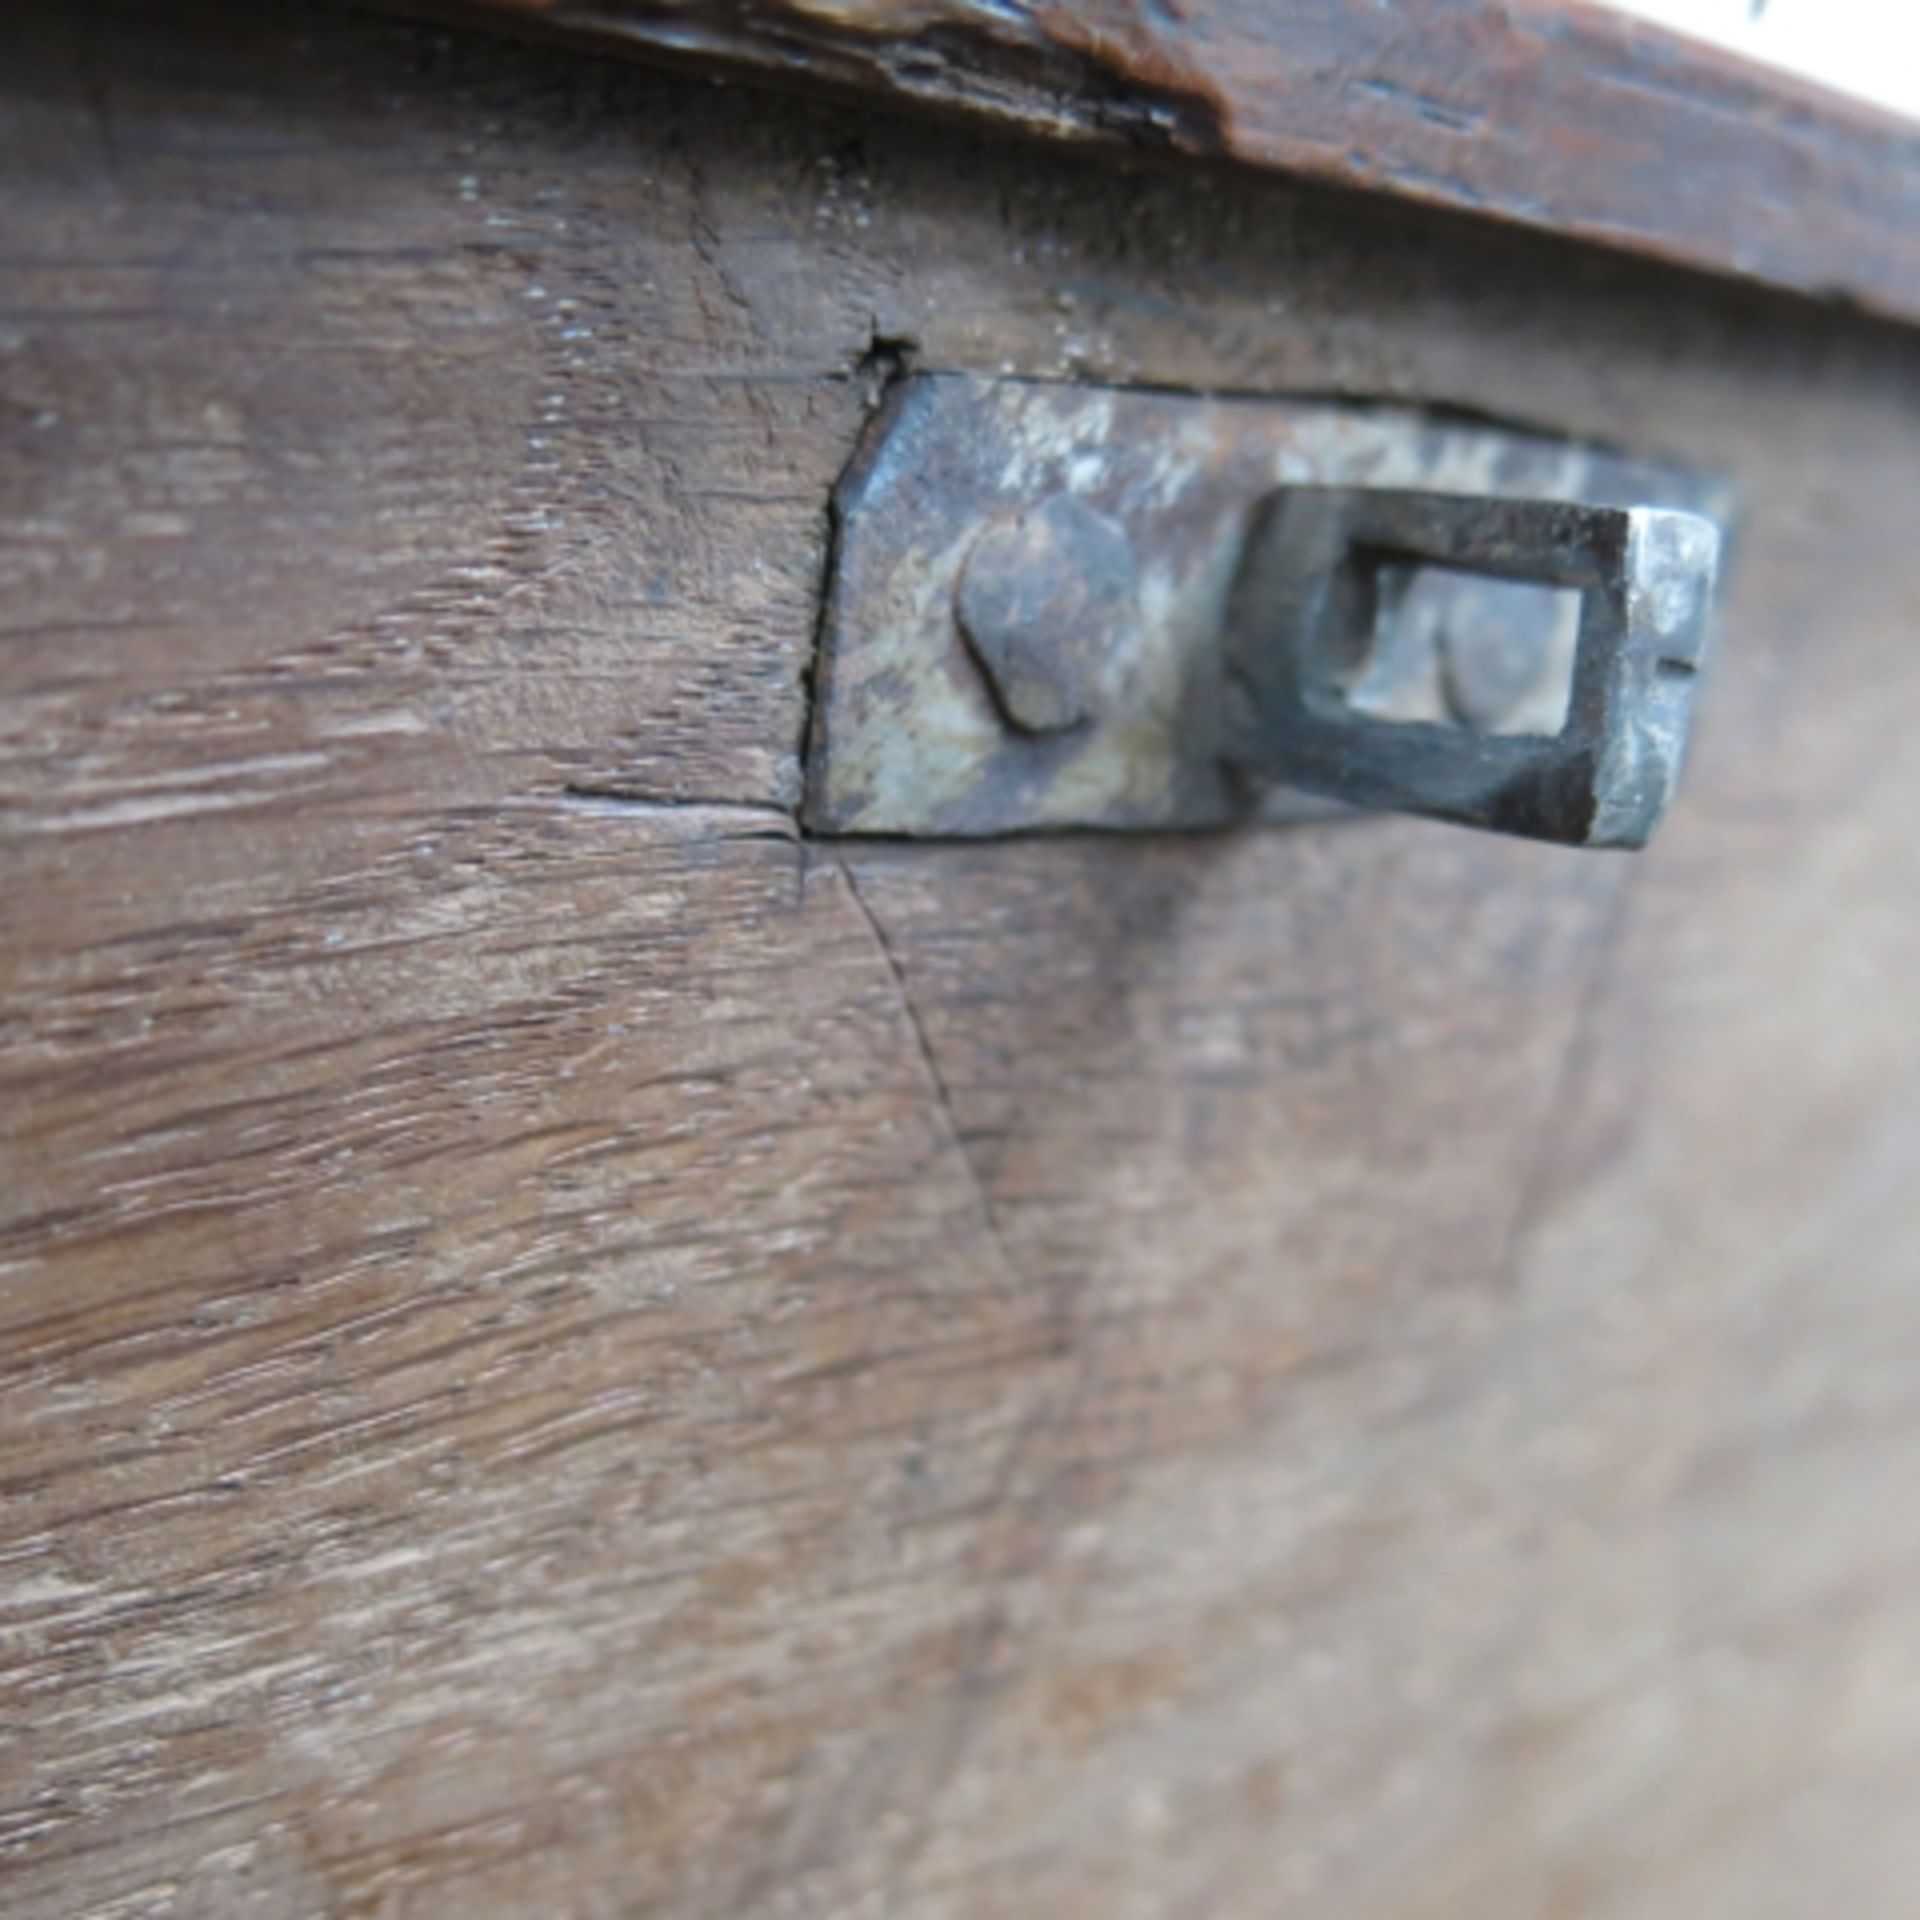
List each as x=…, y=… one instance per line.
x=564, y=1351
x=1556, y=114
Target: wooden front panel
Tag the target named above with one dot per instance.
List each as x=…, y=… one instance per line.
x=565, y=1350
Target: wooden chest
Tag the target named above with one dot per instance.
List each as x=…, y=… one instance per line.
x=570, y=1347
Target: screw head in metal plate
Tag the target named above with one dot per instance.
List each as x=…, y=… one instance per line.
x=1046, y=602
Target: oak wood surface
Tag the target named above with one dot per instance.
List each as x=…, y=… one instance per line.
x=564, y=1351
x=1555, y=114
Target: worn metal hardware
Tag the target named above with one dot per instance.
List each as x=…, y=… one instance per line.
x=1300, y=635
x=1054, y=605
x=1046, y=602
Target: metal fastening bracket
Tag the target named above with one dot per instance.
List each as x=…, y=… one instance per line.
x=1303, y=613
x=1070, y=606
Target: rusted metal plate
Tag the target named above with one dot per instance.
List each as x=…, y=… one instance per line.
x=1024, y=625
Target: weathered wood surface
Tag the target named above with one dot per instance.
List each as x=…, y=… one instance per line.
x=564, y=1352
x=1556, y=114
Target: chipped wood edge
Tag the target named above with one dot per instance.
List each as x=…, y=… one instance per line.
x=1551, y=114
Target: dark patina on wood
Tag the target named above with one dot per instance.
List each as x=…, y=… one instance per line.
x=1552, y=113
x=567, y=1352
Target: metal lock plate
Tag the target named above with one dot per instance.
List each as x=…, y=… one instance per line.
x=1059, y=605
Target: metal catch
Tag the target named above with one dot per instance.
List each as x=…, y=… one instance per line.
x=1069, y=606
x=1300, y=628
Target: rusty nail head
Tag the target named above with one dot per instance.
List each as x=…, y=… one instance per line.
x=1046, y=602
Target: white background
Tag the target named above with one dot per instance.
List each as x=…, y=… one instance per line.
x=1870, y=48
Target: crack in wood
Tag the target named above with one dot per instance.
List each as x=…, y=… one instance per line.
x=930, y=1062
